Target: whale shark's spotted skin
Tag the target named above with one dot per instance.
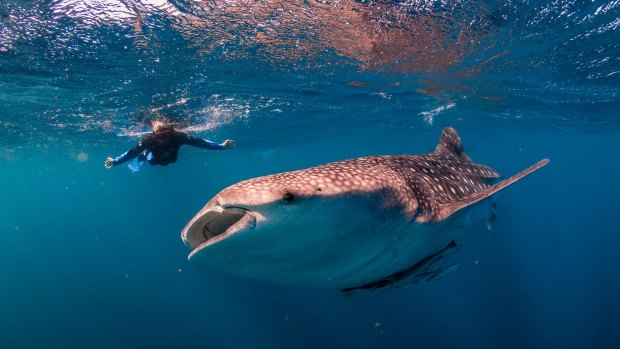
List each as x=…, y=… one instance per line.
x=418, y=183
x=345, y=224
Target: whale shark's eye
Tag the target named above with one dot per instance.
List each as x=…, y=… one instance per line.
x=288, y=197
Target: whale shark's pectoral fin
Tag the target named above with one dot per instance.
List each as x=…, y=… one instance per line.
x=427, y=269
x=444, y=210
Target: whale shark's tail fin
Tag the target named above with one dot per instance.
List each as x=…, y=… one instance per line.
x=448, y=208
x=450, y=145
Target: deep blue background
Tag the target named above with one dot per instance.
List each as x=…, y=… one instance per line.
x=91, y=257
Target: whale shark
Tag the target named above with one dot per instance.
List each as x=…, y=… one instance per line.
x=362, y=223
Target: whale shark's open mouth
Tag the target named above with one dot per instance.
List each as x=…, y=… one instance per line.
x=211, y=226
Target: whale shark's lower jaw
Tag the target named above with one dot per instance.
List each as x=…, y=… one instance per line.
x=215, y=225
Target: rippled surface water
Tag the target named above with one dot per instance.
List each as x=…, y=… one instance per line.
x=91, y=257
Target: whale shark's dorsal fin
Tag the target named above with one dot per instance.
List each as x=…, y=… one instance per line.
x=450, y=145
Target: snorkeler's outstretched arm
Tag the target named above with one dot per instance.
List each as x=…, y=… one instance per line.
x=126, y=156
x=206, y=144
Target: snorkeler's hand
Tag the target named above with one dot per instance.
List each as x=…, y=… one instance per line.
x=229, y=143
x=109, y=162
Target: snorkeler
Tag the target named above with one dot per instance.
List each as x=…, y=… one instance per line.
x=161, y=147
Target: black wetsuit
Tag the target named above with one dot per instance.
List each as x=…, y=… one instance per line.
x=162, y=148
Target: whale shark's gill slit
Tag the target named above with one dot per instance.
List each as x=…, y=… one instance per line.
x=219, y=223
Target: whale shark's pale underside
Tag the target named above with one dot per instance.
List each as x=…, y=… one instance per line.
x=359, y=223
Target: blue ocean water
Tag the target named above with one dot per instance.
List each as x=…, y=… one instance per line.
x=91, y=257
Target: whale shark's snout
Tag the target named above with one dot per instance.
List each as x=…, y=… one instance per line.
x=214, y=223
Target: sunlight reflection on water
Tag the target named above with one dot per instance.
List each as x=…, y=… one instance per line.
x=418, y=35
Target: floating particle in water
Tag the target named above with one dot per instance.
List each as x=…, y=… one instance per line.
x=356, y=83
x=82, y=157
x=377, y=326
x=107, y=126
